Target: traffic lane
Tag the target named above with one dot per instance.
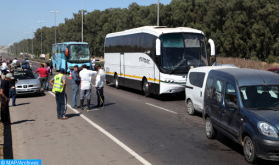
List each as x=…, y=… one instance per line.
x=160, y=137
x=156, y=132
x=163, y=138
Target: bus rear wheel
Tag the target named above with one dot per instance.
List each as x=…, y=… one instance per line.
x=145, y=88
x=116, y=80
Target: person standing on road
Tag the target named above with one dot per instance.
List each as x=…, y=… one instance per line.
x=12, y=90
x=43, y=74
x=5, y=113
x=85, y=87
x=14, y=61
x=99, y=85
x=58, y=83
x=75, y=86
x=48, y=75
x=51, y=67
x=93, y=63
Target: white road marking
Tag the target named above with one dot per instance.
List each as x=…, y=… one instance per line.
x=129, y=150
x=162, y=108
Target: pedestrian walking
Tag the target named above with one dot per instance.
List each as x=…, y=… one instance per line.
x=85, y=87
x=48, y=75
x=51, y=66
x=58, y=83
x=43, y=75
x=12, y=90
x=5, y=113
x=99, y=85
x=75, y=86
x=93, y=61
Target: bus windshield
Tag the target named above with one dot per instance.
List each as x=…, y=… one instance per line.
x=183, y=51
x=79, y=53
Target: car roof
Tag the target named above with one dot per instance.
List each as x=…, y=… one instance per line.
x=248, y=77
x=206, y=69
x=273, y=69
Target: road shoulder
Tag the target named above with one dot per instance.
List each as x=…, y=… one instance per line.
x=38, y=134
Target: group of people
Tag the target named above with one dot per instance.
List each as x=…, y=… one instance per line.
x=44, y=71
x=80, y=81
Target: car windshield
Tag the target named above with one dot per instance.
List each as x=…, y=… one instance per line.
x=79, y=53
x=260, y=97
x=183, y=51
x=24, y=75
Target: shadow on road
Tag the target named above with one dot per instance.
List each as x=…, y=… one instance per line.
x=22, y=104
x=22, y=121
x=163, y=97
x=8, y=143
x=72, y=115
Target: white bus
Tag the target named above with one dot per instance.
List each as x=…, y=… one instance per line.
x=154, y=59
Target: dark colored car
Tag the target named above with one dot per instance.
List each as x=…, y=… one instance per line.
x=243, y=104
x=275, y=70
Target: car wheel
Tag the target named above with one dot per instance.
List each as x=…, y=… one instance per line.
x=211, y=133
x=117, y=86
x=145, y=88
x=190, y=108
x=249, y=150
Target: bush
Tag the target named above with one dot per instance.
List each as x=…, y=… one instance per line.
x=270, y=59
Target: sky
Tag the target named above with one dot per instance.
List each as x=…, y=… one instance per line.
x=17, y=16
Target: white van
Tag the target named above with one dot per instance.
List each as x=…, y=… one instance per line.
x=195, y=86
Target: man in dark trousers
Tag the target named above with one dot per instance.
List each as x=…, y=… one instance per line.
x=12, y=90
x=59, y=86
x=99, y=85
x=44, y=75
x=5, y=113
x=75, y=86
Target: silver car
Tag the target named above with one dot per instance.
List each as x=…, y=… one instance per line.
x=27, y=83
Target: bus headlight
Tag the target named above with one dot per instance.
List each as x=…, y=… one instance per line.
x=170, y=81
x=267, y=129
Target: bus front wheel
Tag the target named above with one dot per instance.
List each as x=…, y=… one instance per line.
x=145, y=88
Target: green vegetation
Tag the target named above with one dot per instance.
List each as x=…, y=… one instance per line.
x=240, y=28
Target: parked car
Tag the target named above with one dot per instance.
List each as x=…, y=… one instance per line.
x=243, y=104
x=195, y=85
x=275, y=70
x=27, y=83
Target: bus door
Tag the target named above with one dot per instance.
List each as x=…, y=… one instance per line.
x=122, y=68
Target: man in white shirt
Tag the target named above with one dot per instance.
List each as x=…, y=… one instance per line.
x=85, y=86
x=99, y=85
x=14, y=61
x=93, y=63
x=4, y=65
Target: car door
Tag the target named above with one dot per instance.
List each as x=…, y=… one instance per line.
x=197, y=79
x=230, y=118
x=217, y=100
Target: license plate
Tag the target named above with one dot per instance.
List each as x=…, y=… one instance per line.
x=24, y=90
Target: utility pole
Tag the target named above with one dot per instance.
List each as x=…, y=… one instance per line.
x=82, y=22
x=32, y=39
x=41, y=35
x=22, y=43
x=27, y=41
x=158, y=8
x=55, y=22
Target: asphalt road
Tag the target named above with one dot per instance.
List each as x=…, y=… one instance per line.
x=159, y=128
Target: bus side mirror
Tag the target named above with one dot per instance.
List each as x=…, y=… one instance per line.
x=212, y=47
x=158, y=47
x=67, y=52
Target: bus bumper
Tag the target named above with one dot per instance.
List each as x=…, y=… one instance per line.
x=171, y=88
